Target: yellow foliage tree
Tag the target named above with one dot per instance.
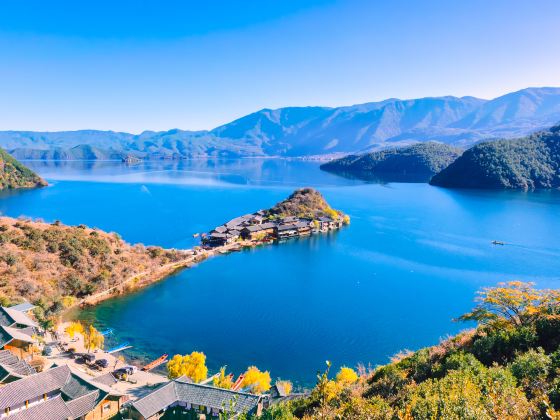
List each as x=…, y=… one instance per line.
x=223, y=380
x=346, y=376
x=192, y=365
x=285, y=385
x=93, y=339
x=515, y=303
x=257, y=380
x=74, y=328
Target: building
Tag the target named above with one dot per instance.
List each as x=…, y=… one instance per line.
x=286, y=231
x=12, y=368
x=24, y=307
x=257, y=232
x=181, y=395
x=16, y=340
x=11, y=317
x=303, y=228
x=279, y=395
x=325, y=223
x=58, y=394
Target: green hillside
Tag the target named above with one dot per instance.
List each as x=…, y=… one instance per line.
x=508, y=367
x=13, y=174
x=418, y=162
x=526, y=163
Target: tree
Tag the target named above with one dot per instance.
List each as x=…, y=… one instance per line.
x=286, y=386
x=346, y=376
x=223, y=380
x=93, y=339
x=514, y=303
x=74, y=328
x=258, y=381
x=191, y=365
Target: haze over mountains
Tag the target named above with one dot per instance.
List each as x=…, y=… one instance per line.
x=305, y=131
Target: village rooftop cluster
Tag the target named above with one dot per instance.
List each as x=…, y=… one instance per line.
x=262, y=226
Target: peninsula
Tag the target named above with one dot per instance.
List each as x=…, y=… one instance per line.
x=57, y=267
x=14, y=175
x=303, y=213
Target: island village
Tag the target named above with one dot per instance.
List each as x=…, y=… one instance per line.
x=66, y=372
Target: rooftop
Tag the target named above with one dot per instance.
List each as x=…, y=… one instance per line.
x=11, y=316
x=181, y=391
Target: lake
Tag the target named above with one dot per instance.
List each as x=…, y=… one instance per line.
x=410, y=261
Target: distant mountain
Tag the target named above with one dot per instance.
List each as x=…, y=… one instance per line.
x=416, y=163
x=15, y=175
x=304, y=131
x=526, y=163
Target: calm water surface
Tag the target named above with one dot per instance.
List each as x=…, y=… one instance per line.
x=409, y=263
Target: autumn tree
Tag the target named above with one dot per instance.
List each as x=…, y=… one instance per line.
x=285, y=386
x=191, y=365
x=223, y=380
x=514, y=303
x=346, y=376
x=93, y=339
x=257, y=381
x=74, y=328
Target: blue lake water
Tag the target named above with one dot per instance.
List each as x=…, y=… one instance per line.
x=411, y=260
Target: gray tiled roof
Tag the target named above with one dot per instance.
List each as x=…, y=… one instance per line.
x=10, y=365
x=18, y=392
x=108, y=379
x=23, y=307
x=17, y=317
x=8, y=334
x=257, y=228
x=76, y=387
x=84, y=404
x=283, y=228
x=53, y=409
x=209, y=396
x=157, y=400
x=205, y=395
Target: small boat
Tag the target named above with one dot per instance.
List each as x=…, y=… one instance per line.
x=196, y=235
x=498, y=243
x=121, y=347
x=238, y=382
x=160, y=360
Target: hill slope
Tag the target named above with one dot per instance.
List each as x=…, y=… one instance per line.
x=416, y=163
x=506, y=368
x=303, y=131
x=14, y=174
x=51, y=264
x=527, y=163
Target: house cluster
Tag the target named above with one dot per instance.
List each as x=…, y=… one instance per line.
x=17, y=330
x=259, y=227
x=65, y=392
x=59, y=393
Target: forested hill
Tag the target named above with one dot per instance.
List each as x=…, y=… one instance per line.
x=416, y=163
x=53, y=265
x=526, y=163
x=508, y=367
x=14, y=174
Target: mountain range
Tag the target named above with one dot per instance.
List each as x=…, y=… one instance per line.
x=311, y=131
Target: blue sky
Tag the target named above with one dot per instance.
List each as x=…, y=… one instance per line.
x=156, y=65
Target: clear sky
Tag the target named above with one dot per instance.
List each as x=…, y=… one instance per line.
x=156, y=65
